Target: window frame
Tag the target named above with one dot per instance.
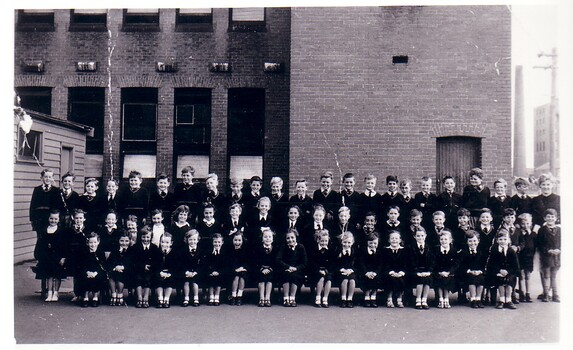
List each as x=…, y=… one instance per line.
x=30, y=159
x=73, y=93
x=37, y=93
x=247, y=26
x=99, y=23
x=185, y=22
x=131, y=24
x=36, y=20
x=192, y=97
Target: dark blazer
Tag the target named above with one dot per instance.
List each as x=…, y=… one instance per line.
x=190, y=196
x=497, y=206
x=367, y=203
x=446, y=262
x=541, y=203
x=399, y=261
x=320, y=260
x=352, y=201
x=66, y=204
x=475, y=200
x=427, y=205
x=279, y=208
x=305, y=206
x=332, y=202
x=254, y=224
x=165, y=203
x=140, y=258
x=387, y=201
x=191, y=261
x=134, y=203
x=497, y=261
x=40, y=205
x=449, y=204
x=472, y=262
x=520, y=205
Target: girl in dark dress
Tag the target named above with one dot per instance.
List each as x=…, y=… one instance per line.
x=265, y=254
x=369, y=267
x=191, y=261
x=93, y=276
x=472, y=268
x=291, y=262
x=422, y=268
x=239, y=257
x=395, y=265
x=215, y=268
x=50, y=254
x=345, y=269
x=320, y=267
x=167, y=273
x=445, y=269
x=118, y=266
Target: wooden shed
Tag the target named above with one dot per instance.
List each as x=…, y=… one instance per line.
x=53, y=143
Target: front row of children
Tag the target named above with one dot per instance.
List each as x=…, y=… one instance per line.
x=139, y=265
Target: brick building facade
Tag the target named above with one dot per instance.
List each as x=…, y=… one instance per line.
x=410, y=91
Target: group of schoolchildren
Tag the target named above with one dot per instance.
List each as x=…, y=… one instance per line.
x=146, y=245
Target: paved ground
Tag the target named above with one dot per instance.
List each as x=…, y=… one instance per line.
x=37, y=322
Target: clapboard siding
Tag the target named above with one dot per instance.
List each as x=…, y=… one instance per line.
x=27, y=176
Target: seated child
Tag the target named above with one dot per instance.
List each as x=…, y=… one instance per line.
x=320, y=267
x=472, y=268
x=239, y=267
x=291, y=264
x=369, y=268
x=191, y=268
x=502, y=270
x=445, y=268
x=422, y=267
x=395, y=263
x=265, y=255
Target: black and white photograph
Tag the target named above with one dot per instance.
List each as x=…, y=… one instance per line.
x=259, y=174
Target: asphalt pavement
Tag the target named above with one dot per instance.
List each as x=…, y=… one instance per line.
x=62, y=322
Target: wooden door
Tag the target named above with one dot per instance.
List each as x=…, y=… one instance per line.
x=455, y=156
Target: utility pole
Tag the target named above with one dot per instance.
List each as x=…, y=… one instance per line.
x=553, y=125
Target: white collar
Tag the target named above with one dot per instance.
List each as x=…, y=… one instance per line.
x=181, y=225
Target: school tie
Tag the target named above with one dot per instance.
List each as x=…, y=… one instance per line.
x=300, y=198
x=163, y=194
x=322, y=250
x=291, y=224
x=193, y=251
x=276, y=196
x=215, y=252
x=267, y=250
x=235, y=224
x=325, y=193
x=421, y=248
x=370, y=193
x=444, y=252
x=46, y=188
x=235, y=197
x=122, y=251
x=407, y=198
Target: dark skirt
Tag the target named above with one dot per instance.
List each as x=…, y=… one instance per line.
x=416, y=280
x=144, y=280
x=366, y=283
x=394, y=284
x=448, y=283
x=496, y=281
x=95, y=284
x=261, y=277
x=338, y=277
x=315, y=276
x=474, y=280
x=296, y=277
x=50, y=268
x=169, y=282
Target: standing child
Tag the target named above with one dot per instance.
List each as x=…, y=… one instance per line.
x=438, y=227
x=294, y=221
x=162, y=199
x=252, y=197
x=265, y=255
x=291, y=262
x=521, y=201
x=50, y=254
x=502, y=268
x=207, y=225
x=472, y=268
x=191, y=268
x=426, y=201
x=92, y=272
x=318, y=223
x=369, y=268
x=406, y=191
x=351, y=198
x=111, y=198
x=134, y=201
x=392, y=224
x=146, y=258
x=92, y=204
x=167, y=272
x=392, y=197
x=187, y=193
x=345, y=269
x=43, y=200
x=485, y=229
x=343, y=224
x=214, y=196
x=302, y=200
x=215, y=268
x=157, y=228
x=499, y=201
x=368, y=226
x=409, y=234
x=327, y=197
x=422, y=268
x=370, y=200
x=320, y=260
x=545, y=200
x=75, y=242
x=445, y=269
x=109, y=234
x=233, y=223
x=236, y=195
x=69, y=200
x=395, y=264
x=259, y=220
x=449, y=201
x=475, y=196
x=239, y=263
x=279, y=201
x=118, y=264
x=527, y=247
x=180, y=225
x=459, y=232
x=549, y=239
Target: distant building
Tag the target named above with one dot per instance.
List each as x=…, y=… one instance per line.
x=542, y=130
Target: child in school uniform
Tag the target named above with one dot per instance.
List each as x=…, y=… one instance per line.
x=132, y=230
x=157, y=227
x=370, y=200
x=502, y=269
x=406, y=191
x=499, y=201
x=146, y=258
x=438, y=227
x=214, y=197
x=395, y=264
x=320, y=267
x=112, y=199
x=189, y=194
x=279, y=201
x=93, y=276
x=207, y=225
x=485, y=229
x=75, y=242
x=392, y=197
x=445, y=268
x=215, y=268
x=311, y=228
x=291, y=264
x=162, y=198
x=449, y=201
x=239, y=267
x=549, y=244
x=369, y=269
x=351, y=198
x=294, y=220
x=345, y=268
x=44, y=198
x=302, y=200
x=69, y=200
x=343, y=224
x=409, y=232
x=472, y=268
x=118, y=265
x=259, y=220
x=327, y=197
x=232, y=223
x=191, y=268
x=460, y=231
x=545, y=200
x=50, y=253
x=527, y=246
x=180, y=225
x=265, y=256
x=109, y=233
x=236, y=195
x=392, y=223
x=92, y=204
x=422, y=267
x=476, y=195
x=366, y=228
x=426, y=201
x=167, y=272
x=508, y=224
x=251, y=198
x=135, y=200
x=521, y=201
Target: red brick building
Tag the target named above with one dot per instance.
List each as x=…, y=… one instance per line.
x=410, y=91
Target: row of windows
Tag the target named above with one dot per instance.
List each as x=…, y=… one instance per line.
x=139, y=117
x=240, y=19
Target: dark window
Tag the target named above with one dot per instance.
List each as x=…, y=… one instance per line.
x=30, y=146
x=88, y=20
x=246, y=122
x=194, y=20
x=86, y=105
x=248, y=19
x=38, y=99
x=139, y=120
x=146, y=20
x=37, y=20
x=192, y=120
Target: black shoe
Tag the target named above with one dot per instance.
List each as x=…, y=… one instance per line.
x=366, y=303
x=425, y=306
x=343, y=303
x=94, y=303
x=84, y=303
x=474, y=304
x=238, y=301
x=480, y=304
x=540, y=296
x=556, y=298
x=261, y=303
x=349, y=304
x=373, y=304
x=317, y=304
x=195, y=303
x=528, y=298
x=545, y=298
x=185, y=303
x=232, y=300
x=292, y=303
x=268, y=303
x=510, y=306
x=325, y=304
x=499, y=305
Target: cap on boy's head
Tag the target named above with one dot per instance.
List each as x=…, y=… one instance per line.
x=391, y=178
x=463, y=212
x=256, y=178
x=508, y=212
x=477, y=172
x=327, y=174
x=550, y=211
x=188, y=169
x=521, y=181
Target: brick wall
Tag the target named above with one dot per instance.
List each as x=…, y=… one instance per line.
x=353, y=110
